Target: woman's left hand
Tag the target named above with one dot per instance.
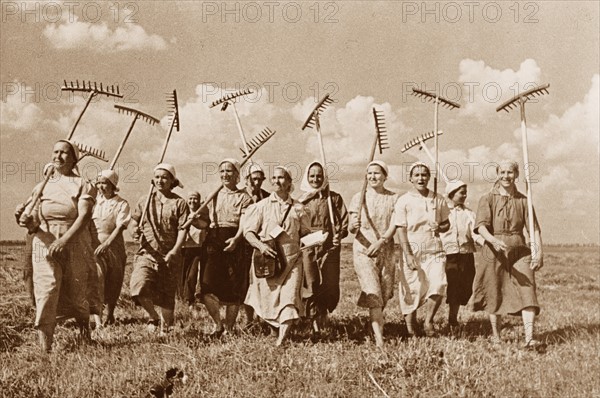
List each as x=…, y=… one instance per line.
x=57, y=248
x=170, y=255
x=434, y=226
x=373, y=250
x=101, y=249
x=230, y=244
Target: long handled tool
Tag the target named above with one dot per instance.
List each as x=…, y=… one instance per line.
x=230, y=99
x=151, y=120
x=437, y=100
x=173, y=124
x=420, y=141
x=253, y=146
x=520, y=101
x=84, y=151
x=313, y=121
x=93, y=89
x=380, y=140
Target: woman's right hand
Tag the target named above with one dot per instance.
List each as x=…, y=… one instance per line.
x=411, y=262
x=266, y=250
x=137, y=233
x=354, y=225
x=499, y=245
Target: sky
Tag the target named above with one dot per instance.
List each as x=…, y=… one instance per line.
x=365, y=55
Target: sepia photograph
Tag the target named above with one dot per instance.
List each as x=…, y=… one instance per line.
x=305, y=198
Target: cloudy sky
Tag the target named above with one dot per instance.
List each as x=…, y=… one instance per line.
x=364, y=54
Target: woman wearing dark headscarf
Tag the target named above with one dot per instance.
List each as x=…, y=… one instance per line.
x=322, y=263
x=505, y=279
x=63, y=262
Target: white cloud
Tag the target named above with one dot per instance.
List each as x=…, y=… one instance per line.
x=99, y=37
x=16, y=112
x=486, y=87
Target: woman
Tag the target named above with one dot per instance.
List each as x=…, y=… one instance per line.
x=62, y=250
x=459, y=245
x=111, y=217
x=192, y=252
x=156, y=266
x=373, y=247
x=421, y=217
x=505, y=279
x=224, y=274
x=322, y=264
x=277, y=299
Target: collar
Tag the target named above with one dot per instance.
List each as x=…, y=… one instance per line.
x=496, y=191
x=275, y=198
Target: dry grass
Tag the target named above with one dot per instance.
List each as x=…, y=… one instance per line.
x=126, y=361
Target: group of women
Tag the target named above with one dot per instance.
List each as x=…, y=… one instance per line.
x=78, y=252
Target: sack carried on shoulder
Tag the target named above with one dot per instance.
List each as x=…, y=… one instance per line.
x=265, y=266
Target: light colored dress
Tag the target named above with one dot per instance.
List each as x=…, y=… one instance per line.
x=278, y=299
x=504, y=283
x=375, y=275
x=414, y=212
x=63, y=286
x=108, y=215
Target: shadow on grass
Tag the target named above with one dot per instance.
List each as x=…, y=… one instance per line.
x=569, y=333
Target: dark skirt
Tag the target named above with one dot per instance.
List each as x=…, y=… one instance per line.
x=504, y=283
x=460, y=272
x=191, y=264
x=321, y=286
x=224, y=274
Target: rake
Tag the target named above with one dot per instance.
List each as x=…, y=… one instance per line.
x=84, y=150
x=519, y=101
x=93, y=89
x=230, y=99
x=380, y=140
x=437, y=100
x=420, y=141
x=173, y=124
x=313, y=121
x=254, y=146
x=151, y=120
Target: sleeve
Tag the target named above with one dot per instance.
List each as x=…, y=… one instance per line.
x=182, y=212
x=484, y=213
x=87, y=191
x=246, y=201
x=252, y=220
x=123, y=214
x=400, y=216
x=343, y=214
x=304, y=219
x=444, y=209
x=354, y=205
x=136, y=214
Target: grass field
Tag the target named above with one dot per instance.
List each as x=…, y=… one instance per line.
x=127, y=361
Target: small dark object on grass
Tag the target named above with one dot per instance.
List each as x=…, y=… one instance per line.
x=164, y=389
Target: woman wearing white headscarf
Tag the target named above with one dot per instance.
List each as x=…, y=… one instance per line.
x=373, y=247
x=277, y=299
x=321, y=290
x=110, y=218
x=156, y=266
x=63, y=266
x=224, y=274
x=421, y=216
x=505, y=279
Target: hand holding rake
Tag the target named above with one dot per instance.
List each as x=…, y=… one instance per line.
x=520, y=101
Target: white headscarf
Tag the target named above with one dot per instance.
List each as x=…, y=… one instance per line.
x=308, y=190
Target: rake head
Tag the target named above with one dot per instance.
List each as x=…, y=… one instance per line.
x=138, y=114
x=92, y=87
x=418, y=140
x=381, y=129
x=85, y=150
x=257, y=141
x=432, y=97
x=312, y=120
x=523, y=97
x=230, y=97
x=173, y=109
